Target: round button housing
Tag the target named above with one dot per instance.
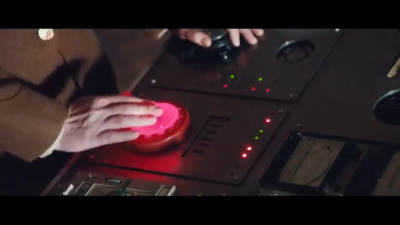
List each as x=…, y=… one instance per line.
x=169, y=129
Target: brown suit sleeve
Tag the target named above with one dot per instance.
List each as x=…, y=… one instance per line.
x=29, y=121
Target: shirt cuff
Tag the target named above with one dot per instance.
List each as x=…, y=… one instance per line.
x=53, y=146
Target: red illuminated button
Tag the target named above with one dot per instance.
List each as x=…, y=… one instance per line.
x=169, y=129
x=166, y=120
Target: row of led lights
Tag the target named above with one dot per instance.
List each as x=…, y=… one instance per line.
x=249, y=148
x=252, y=88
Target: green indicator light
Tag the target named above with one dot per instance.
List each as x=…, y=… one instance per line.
x=261, y=131
x=232, y=76
x=256, y=138
x=260, y=79
x=199, y=195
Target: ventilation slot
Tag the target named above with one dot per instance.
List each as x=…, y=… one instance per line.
x=207, y=135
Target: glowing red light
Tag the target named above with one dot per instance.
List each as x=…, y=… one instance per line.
x=126, y=93
x=267, y=90
x=253, y=88
x=268, y=120
x=225, y=85
x=249, y=148
x=169, y=116
x=244, y=155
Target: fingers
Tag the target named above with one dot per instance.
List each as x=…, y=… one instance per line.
x=199, y=37
x=249, y=36
x=124, y=121
x=100, y=102
x=235, y=36
x=131, y=109
x=88, y=104
x=196, y=36
x=112, y=137
x=258, y=32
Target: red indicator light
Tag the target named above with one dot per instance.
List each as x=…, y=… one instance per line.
x=267, y=90
x=225, y=85
x=244, y=155
x=249, y=148
x=268, y=120
x=253, y=88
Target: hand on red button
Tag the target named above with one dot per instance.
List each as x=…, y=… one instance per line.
x=170, y=128
x=165, y=121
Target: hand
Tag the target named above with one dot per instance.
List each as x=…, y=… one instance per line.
x=97, y=121
x=197, y=36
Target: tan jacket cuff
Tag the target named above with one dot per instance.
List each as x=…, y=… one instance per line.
x=29, y=121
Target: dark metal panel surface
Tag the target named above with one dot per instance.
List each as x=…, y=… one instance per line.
x=338, y=101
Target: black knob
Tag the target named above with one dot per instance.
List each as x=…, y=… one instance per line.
x=387, y=108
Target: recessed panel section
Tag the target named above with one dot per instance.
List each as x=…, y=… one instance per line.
x=279, y=67
x=316, y=164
